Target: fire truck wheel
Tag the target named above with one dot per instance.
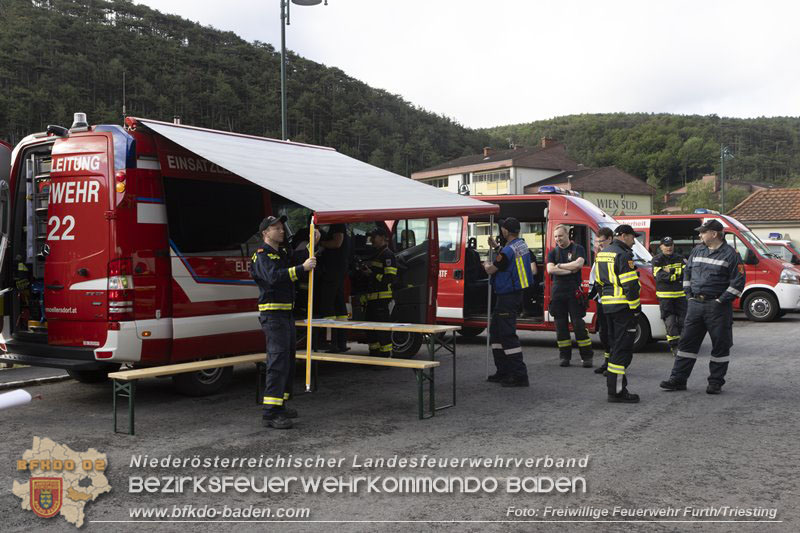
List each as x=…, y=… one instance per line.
x=642, y=334
x=469, y=332
x=204, y=382
x=761, y=306
x=406, y=345
x=92, y=376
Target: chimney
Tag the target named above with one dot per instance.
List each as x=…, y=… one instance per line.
x=547, y=142
x=487, y=151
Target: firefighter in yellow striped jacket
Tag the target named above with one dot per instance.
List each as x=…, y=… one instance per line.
x=616, y=273
x=668, y=271
x=382, y=271
x=275, y=270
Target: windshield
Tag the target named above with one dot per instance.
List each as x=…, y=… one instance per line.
x=640, y=253
x=756, y=243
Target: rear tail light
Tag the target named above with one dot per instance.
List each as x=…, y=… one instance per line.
x=120, y=289
x=104, y=355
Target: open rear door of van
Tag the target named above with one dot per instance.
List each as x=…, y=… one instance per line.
x=75, y=241
x=5, y=170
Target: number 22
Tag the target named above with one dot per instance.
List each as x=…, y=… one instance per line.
x=69, y=225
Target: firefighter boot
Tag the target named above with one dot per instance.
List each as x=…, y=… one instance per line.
x=623, y=397
x=672, y=384
x=713, y=388
x=602, y=368
x=278, y=421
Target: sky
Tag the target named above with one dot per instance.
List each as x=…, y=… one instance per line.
x=494, y=62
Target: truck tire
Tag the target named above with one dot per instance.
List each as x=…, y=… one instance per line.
x=92, y=376
x=761, y=306
x=203, y=382
x=642, y=334
x=406, y=345
x=470, y=332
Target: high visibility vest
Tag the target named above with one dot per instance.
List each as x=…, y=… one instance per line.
x=517, y=275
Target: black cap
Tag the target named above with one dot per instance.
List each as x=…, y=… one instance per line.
x=379, y=231
x=270, y=220
x=711, y=224
x=667, y=241
x=511, y=224
x=624, y=229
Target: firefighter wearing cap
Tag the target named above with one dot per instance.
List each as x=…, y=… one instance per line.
x=714, y=277
x=616, y=273
x=512, y=273
x=275, y=270
x=564, y=264
x=668, y=271
x=382, y=271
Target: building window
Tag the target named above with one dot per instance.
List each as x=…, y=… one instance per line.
x=439, y=183
x=494, y=182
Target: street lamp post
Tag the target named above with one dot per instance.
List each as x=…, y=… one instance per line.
x=724, y=153
x=285, y=22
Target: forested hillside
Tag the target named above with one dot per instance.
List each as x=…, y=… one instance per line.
x=62, y=56
x=670, y=150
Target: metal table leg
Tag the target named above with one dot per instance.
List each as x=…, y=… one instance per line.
x=125, y=390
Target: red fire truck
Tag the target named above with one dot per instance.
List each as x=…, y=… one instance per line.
x=773, y=285
x=463, y=246
x=130, y=245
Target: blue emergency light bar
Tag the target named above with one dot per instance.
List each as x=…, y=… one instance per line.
x=704, y=211
x=775, y=236
x=552, y=189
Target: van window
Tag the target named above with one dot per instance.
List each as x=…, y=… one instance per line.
x=449, y=239
x=410, y=233
x=533, y=235
x=737, y=244
x=212, y=218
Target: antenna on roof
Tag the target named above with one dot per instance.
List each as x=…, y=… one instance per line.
x=124, y=114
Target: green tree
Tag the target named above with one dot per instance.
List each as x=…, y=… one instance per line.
x=698, y=194
x=733, y=197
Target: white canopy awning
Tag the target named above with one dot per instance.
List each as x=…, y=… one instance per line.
x=336, y=187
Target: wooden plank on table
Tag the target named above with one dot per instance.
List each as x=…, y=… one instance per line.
x=379, y=326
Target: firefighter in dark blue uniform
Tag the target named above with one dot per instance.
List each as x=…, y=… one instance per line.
x=713, y=279
x=616, y=273
x=668, y=271
x=511, y=274
x=275, y=270
x=382, y=271
x=565, y=262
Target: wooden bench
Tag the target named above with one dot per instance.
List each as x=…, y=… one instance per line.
x=124, y=382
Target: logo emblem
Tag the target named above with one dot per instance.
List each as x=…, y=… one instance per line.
x=741, y=268
x=569, y=256
x=46, y=495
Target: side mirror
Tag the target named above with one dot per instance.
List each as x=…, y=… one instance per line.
x=795, y=260
x=750, y=258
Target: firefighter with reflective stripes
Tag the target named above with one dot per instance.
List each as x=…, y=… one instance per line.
x=668, y=270
x=604, y=237
x=275, y=271
x=565, y=263
x=382, y=271
x=616, y=272
x=511, y=273
x=713, y=279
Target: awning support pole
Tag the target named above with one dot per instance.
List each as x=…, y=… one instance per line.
x=489, y=301
x=309, y=327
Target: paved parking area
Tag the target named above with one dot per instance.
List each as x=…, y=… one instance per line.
x=674, y=450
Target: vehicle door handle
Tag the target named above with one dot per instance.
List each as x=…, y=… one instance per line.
x=458, y=274
x=54, y=287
